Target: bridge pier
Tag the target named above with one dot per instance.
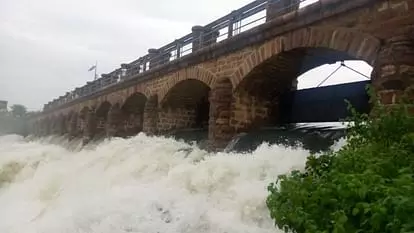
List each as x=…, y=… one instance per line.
x=220, y=132
x=101, y=115
x=150, y=116
x=133, y=124
x=393, y=75
x=81, y=126
x=90, y=125
x=249, y=112
x=172, y=118
x=114, y=123
x=72, y=125
x=100, y=131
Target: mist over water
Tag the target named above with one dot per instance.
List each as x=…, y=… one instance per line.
x=141, y=185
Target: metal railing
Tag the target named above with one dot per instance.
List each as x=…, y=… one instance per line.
x=238, y=21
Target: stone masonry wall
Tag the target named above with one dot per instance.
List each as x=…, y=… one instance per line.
x=248, y=112
x=179, y=118
x=221, y=98
x=133, y=123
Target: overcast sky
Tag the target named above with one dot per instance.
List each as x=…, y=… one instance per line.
x=47, y=46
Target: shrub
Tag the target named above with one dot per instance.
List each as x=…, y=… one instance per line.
x=367, y=186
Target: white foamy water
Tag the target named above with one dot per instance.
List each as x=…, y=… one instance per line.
x=140, y=185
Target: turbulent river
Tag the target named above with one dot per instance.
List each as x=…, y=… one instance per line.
x=140, y=185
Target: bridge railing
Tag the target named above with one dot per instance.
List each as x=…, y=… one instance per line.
x=236, y=22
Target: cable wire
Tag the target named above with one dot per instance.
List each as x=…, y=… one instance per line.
x=356, y=71
x=330, y=75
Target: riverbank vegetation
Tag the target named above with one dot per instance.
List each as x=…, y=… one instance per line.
x=367, y=186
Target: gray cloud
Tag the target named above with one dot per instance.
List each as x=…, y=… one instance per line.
x=46, y=46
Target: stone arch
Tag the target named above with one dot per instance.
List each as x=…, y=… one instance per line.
x=72, y=124
x=196, y=73
x=83, y=112
x=135, y=102
x=273, y=68
x=120, y=96
x=103, y=109
x=186, y=105
x=352, y=42
x=132, y=113
x=114, y=125
x=101, y=117
x=144, y=91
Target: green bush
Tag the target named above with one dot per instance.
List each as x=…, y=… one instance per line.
x=367, y=186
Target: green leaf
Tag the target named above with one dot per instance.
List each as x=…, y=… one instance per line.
x=355, y=211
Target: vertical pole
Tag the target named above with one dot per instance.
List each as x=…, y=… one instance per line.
x=96, y=67
x=178, y=44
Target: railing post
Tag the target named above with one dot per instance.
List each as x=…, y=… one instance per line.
x=197, y=37
x=276, y=8
x=178, y=48
x=144, y=63
x=139, y=63
x=157, y=58
x=153, y=54
x=210, y=37
x=231, y=23
x=124, y=70
x=203, y=37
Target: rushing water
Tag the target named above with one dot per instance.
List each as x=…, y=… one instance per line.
x=142, y=184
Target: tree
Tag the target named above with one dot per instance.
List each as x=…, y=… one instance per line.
x=18, y=110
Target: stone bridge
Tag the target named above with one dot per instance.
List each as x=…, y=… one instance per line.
x=233, y=85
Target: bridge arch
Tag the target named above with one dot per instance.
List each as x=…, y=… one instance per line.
x=72, y=123
x=354, y=43
x=185, y=105
x=196, y=73
x=101, y=117
x=273, y=69
x=132, y=114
